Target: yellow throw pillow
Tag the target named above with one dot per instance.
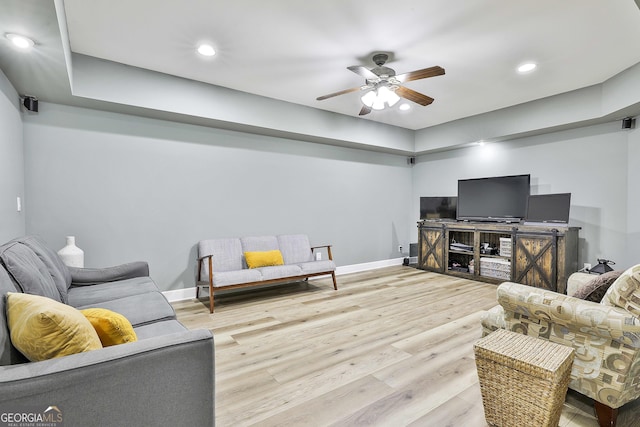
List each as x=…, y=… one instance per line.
x=42, y=328
x=263, y=259
x=112, y=328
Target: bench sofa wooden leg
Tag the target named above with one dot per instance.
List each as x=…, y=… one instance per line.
x=210, y=299
x=335, y=284
x=606, y=415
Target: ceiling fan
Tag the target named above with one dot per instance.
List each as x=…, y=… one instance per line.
x=383, y=85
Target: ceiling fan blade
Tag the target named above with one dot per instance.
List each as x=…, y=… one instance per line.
x=342, y=92
x=364, y=110
x=420, y=74
x=364, y=72
x=414, y=96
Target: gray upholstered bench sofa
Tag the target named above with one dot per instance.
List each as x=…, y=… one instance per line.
x=222, y=263
x=166, y=377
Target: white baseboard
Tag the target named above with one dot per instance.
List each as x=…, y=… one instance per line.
x=356, y=268
x=190, y=293
x=181, y=294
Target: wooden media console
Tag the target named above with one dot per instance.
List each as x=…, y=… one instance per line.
x=539, y=256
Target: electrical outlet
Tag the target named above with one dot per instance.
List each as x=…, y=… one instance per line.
x=399, y=248
x=587, y=266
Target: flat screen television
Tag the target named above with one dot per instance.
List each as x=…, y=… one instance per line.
x=549, y=208
x=501, y=198
x=438, y=208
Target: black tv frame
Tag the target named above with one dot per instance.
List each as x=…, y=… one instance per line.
x=448, y=212
x=549, y=208
x=496, y=199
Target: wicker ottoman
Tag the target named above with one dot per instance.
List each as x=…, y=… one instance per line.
x=523, y=379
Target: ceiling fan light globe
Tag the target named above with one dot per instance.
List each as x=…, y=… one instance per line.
x=392, y=98
x=383, y=91
x=369, y=98
x=378, y=105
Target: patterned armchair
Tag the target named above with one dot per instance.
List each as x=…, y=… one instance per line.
x=605, y=336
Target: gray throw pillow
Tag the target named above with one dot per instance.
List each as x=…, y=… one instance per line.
x=596, y=288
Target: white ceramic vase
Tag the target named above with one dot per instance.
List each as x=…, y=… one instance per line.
x=72, y=255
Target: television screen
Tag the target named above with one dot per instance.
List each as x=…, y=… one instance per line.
x=549, y=208
x=501, y=198
x=433, y=208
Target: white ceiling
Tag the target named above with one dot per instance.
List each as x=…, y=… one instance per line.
x=296, y=51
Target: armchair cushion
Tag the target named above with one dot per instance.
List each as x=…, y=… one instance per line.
x=42, y=328
x=625, y=291
x=279, y=272
x=597, y=287
x=259, y=243
x=295, y=248
x=317, y=266
x=228, y=278
x=226, y=255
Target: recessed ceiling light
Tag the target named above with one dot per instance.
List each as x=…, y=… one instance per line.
x=206, y=50
x=20, y=41
x=404, y=107
x=525, y=68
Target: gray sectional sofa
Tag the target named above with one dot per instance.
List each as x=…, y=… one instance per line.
x=164, y=378
x=222, y=263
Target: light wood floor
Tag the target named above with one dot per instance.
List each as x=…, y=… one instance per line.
x=391, y=347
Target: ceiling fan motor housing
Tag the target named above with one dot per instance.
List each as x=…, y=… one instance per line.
x=381, y=71
x=380, y=58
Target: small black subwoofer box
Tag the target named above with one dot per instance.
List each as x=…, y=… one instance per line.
x=413, y=249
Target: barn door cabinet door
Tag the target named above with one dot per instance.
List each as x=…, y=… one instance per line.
x=535, y=260
x=431, y=248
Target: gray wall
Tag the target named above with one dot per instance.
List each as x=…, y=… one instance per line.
x=597, y=164
x=633, y=201
x=132, y=188
x=12, y=223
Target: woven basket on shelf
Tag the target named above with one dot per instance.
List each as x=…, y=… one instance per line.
x=523, y=379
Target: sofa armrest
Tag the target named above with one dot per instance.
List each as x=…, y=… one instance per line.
x=323, y=246
x=165, y=380
x=572, y=313
x=93, y=276
x=209, y=260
